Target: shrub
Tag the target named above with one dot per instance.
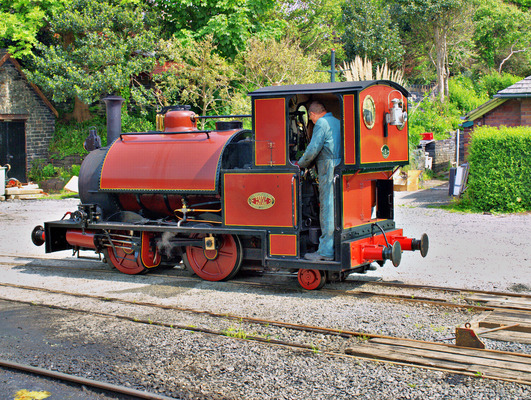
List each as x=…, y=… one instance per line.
x=494, y=82
x=41, y=171
x=69, y=136
x=462, y=93
x=432, y=116
x=500, y=169
x=136, y=124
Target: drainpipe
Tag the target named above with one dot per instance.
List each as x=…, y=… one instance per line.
x=114, y=117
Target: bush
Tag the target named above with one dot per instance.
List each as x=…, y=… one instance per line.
x=494, y=82
x=40, y=171
x=432, y=116
x=136, y=124
x=463, y=94
x=69, y=136
x=500, y=169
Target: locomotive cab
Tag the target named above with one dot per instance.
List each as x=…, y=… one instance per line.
x=229, y=198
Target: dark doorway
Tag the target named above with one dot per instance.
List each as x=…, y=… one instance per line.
x=13, y=148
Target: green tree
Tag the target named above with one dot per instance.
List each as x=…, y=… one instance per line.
x=315, y=24
x=101, y=48
x=370, y=32
x=230, y=22
x=447, y=23
x=197, y=75
x=503, y=36
x=21, y=21
x=269, y=62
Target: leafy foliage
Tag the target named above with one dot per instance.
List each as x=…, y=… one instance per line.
x=21, y=21
x=494, y=82
x=463, y=94
x=41, y=171
x=499, y=26
x=445, y=23
x=198, y=75
x=369, y=32
x=69, y=137
x=500, y=169
x=269, y=62
x=316, y=25
x=433, y=116
x=100, y=49
x=230, y=23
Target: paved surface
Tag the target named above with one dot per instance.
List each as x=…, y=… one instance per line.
x=476, y=251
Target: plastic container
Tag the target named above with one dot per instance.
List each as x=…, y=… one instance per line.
x=2, y=181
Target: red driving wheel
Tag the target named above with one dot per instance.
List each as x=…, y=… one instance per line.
x=128, y=263
x=215, y=265
x=311, y=279
x=123, y=257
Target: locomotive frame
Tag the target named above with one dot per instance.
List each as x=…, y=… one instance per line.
x=229, y=197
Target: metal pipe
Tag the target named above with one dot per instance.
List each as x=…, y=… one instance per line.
x=224, y=116
x=75, y=237
x=114, y=117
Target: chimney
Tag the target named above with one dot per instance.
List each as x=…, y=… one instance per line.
x=114, y=117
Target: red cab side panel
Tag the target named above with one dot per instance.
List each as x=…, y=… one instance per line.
x=359, y=197
x=270, y=131
x=260, y=199
x=161, y=163
x=374, y=147
x=349, y=128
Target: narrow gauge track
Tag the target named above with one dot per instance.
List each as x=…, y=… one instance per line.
x=59, y=376
x=410, y=297
x=515, y=367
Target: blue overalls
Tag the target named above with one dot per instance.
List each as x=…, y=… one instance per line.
x=325, y=145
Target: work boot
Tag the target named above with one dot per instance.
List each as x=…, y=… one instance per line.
x=317, y=257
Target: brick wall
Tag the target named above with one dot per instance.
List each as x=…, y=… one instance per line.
x=507, y=114
x=514, y=112
x=18, y=97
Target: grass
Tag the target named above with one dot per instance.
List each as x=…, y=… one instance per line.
x=63, y=194
x=235, y=333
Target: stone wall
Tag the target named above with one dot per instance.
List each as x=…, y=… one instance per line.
x=19, y=101
x=442, y=152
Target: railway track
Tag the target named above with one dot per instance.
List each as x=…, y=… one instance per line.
x=506, y=366
x=109, y=388
x=480, y=300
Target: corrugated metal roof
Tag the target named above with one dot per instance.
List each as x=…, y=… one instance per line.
x=519, y=89
x=483, y=109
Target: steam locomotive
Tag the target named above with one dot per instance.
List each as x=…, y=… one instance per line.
x=231, y=198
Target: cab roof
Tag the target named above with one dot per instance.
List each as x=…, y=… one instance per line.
x=329, y=87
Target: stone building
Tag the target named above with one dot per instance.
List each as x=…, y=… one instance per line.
x=27, y=119
x=509, y=107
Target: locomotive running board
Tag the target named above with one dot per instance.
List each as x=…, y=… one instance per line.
x=297, y=263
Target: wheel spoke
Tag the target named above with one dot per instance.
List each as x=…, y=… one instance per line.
x=215, y=265
x=123, y=260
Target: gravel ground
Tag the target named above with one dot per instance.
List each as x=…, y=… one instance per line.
x=467, y=250
x=192, y=365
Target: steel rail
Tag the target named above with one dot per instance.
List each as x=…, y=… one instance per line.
x=292, y=344
x=309, y=328
x=347, y=292
x=83, y=381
